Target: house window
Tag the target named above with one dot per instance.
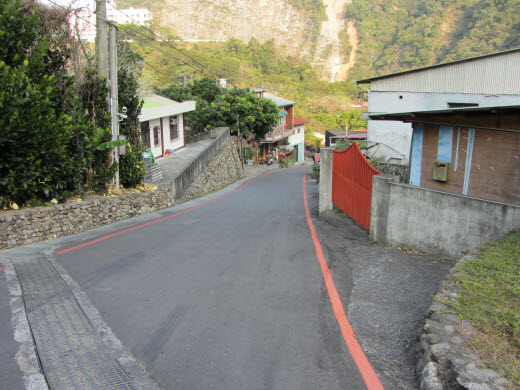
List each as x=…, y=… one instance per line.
x=281, y=120
x=174, y=128
x=156, y=139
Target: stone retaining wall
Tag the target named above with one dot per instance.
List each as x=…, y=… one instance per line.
x=26, y=226
x=224, y=170
x=445, y=361
x=186, y=178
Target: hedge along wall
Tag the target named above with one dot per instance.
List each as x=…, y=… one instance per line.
x=26, y=226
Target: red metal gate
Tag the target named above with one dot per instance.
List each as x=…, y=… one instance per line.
x=352, y=184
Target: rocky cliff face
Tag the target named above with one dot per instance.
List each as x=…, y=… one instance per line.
x=195, y=20
x=200, y=20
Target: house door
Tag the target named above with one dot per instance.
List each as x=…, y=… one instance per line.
x=145, y=134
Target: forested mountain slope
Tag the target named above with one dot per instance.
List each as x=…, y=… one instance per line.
x=397, y=35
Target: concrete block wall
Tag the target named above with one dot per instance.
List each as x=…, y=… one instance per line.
x=436, y=222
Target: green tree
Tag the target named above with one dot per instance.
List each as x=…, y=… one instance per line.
x=245, y=113
x=353, y=119
x=47, y=137
x=92, y=95
x=34, y=131
x=131, y=164
x=222, y=107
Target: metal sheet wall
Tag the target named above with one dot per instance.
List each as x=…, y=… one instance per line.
x=499, y=74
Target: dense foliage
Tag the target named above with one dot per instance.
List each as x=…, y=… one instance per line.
x=238, y=109
x=52, y=124
x=47, y=142
x=398, y=35
x=247, y=65
x=131, y=164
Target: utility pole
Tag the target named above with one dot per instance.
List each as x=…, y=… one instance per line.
x=114, y=110
x=101, y=38
x=239, y=137
x=185, y=82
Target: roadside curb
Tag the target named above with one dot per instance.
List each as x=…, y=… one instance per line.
x=444, y=360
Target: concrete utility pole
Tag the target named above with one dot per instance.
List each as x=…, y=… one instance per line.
x=101, y=38
x=185, y=80
x=239, y=137
x=114, y=109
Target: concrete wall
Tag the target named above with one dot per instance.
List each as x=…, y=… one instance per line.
x=325, y=186
x=179, y=141
x=185, y=178
x=436, y=222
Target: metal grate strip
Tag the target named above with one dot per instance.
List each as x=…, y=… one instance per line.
x=71, y=354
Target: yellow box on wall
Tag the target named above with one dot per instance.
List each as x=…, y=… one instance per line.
x=441, y=170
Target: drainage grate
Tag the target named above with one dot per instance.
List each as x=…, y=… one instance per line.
x=71, y=354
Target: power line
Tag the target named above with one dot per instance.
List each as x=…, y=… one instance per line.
x=172, y=46
x=146, y=42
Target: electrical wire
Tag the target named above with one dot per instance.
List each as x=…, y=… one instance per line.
x=171, y=45
x=146, y=41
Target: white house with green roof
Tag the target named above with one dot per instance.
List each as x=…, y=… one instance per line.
x=162, y=124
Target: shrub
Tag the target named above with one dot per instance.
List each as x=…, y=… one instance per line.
x=315, y=173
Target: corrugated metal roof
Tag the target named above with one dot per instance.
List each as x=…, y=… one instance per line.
x=280, y=102
x=497, y=73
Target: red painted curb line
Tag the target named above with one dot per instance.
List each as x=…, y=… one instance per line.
x=159, y=220
x=367, y=372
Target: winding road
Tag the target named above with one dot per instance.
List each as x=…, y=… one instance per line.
x=226, y=296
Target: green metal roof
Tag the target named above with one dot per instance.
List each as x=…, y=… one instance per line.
x=280, y=102
x=151, y=101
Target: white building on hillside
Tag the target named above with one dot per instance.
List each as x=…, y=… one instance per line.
x=85, y=20
x=486, y=81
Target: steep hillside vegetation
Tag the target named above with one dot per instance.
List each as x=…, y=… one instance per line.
x=397, y=35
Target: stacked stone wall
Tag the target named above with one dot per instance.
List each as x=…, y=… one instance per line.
x=20, y=227
x=445, y=360
x=225, y=169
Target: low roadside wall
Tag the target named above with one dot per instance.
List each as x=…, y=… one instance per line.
x=185, y=178
x=21, y=227
x=436, y=222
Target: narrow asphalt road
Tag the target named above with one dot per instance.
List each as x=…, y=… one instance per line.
x=221, y=295
x=226, y=296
